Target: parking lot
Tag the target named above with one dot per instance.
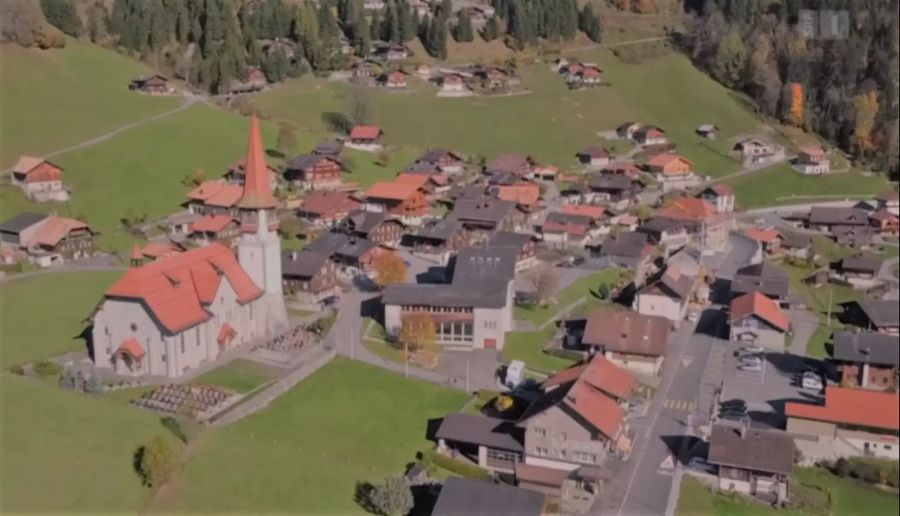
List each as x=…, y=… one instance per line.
x=767, y=389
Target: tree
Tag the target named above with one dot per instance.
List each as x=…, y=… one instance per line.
x=362, y=37
x=644, y=212
x=97, y=26
x=603, y=291
x=418, y=333
x=491, y=30
x=545, y=283
x=389, y=269
x=289, y=227
x=359, y=108
x=158, y=461
x=463, y=31
x=286, y=142
x=589, y=23
x=730, y=60
x=62, y=15
x=795, y=104
x=865, y=107
x=393, y=497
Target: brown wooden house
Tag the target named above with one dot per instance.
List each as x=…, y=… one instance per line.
x=314, y=171
x=309, y=276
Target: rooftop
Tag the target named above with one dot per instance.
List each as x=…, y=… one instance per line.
x=463, y=496
x=859, y=407
x=627, y=332
x=771, y=451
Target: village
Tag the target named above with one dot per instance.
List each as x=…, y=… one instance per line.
x=374, y=268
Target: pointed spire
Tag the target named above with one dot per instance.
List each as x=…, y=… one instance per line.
x=257, y=190
x=137, y=257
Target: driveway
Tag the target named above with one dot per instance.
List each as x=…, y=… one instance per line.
x=803, y=326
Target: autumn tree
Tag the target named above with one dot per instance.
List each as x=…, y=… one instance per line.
x=795, y=104
x=545, y=283
x=157, y=461
x=865, y=107
x=731, y=58
x=418, y=333
x=389, y=269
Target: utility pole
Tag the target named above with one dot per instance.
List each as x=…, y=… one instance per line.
x=830, y=299
x=405, y=359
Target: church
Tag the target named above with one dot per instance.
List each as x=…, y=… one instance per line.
x=174, y=314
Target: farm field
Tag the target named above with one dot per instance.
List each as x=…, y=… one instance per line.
x=53, y=99
x=26, y=334
x=551, y=122
x=291, y=455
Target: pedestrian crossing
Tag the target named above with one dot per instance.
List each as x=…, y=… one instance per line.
x=685, y=406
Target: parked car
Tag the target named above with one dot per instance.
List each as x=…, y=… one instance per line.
x=813, y=383
x=752, y=349
x=736, y=416
x=751, y=367
x=751, y=359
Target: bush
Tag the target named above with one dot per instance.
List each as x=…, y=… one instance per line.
x=46, y=368
x=455, y=466
x=873, y=471
x=565, y=353
x=94, y=385
x=156, y=462
x=17, y=369
x=173, y=425
x=810, y=499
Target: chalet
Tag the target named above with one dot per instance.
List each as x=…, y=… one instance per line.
x=453, y=83
x=355, y=255
x=859, y=271
x=47, y=239
x=768, y=239
x=522, y=192
x=561, y=230
x=796, y=245
x=619, y=191
x=236, y=174
x=850, y=423
x=593, y=156
x=764, y=278
x=376, y=227
x=373, y=5
x=623, y=168
x=631, y=250
x=365, y=138
x=518, y=164
x=708, y=131
x=885, y=222
x=666, y=233
x=649, y=135
x=395, y=80
x=754, y=151
x=890, y=201
x=752, y=461
x=331, y=148
x=756, y=319
x=473, y=311
x=700, y=219
x=393, y=52
x=591, y=76
x=484, y=216
x=480, y=497
x=719, y=195
x=630, y=340
x=314, y=171
x=365, y=71
x=423, y=71
x=857, y=237
x=327, y=208
x=827, y=218
x=39, y=179
x=152, y=85
x=628, y=130
x=493, y=78
x=882, y=316
x=812, y=161
x=866, y=359
x=255, y=81
x=522, y=243
x=672, y=171
x=545, y=172
x=214, y=198
x=438, y=237
x=215, y=228
x=668, y=296
x=443, y=160
x=596, y=212
x=309, y=276
x=403, y=200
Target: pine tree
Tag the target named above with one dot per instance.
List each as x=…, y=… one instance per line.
x=463, y=31
x=362, y=37
x=62, y=15
x=375, y=27
x=408, y=21
x=390, y=30
x=568, y=24
x=518, y=26
x=491, y=30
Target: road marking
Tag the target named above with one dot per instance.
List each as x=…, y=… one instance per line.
x=668, y=463
x=686, y=361
x=685, y=406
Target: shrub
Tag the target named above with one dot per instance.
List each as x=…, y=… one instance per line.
x=94, y=385
x=841, y=467
x=393, y=498
x=157, y=461
x=67, y=379
x=46, y=368
x=565, y=353
x=456, y=466
x=17, y=369
x=810, y=499
x=173, y=425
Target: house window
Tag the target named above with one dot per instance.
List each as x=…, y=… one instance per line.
x=540, y=431
x=540, y=451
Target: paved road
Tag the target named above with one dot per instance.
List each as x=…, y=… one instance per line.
x=96, y=263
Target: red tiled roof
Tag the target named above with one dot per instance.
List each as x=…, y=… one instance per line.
x=601, y=412
x=321, y=202
x=393, y=190
x=216, y=193
x=688, y=208
x=365, y=132
x=722, y=189
x=53, y=229
x=212, y=223
x=754, y=303
x=762, y=235
x=591, y=72
x=888, y=195
x=592, y=211
x=565, y=376
x=414, y=179
x=30, y=167
x=176, y=288
x=609, y=378
x=661, y=160
x=257, y=191
x=26, y=164
x=523, y=193
x=132, y=347
x=861, y=407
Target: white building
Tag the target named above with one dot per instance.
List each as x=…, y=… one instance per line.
x=181, y=311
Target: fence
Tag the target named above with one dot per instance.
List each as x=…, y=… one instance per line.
x=319, y=357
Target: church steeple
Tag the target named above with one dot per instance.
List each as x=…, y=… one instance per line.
x=257, y=189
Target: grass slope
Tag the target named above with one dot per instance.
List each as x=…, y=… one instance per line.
x=238, y=375
x=777, y=185
x=348, y=422
x=53, y=99
x=65, y=452
x=43, y=315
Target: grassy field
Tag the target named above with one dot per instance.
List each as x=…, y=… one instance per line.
x=349, y=422
x=527, y=346
x=238, y=375
x=53, y=99
x=551, y=122
x=44, y=315
x=778, y=185
x=584, y=287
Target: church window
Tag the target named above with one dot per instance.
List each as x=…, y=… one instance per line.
x=182, y=343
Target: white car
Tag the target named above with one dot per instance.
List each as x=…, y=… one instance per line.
x=812, y=383
x=751, y=359
x=694, y=316
x=751, y=367
x=752, y=349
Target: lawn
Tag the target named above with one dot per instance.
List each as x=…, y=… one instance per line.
x=551, y=122
x=848, y=498
x=238, y=375
x=585, y=287
x=347, y=423
x=780, y=184
x=528, y=346
x=63, y=452
x=54, y=99
x=44, y=315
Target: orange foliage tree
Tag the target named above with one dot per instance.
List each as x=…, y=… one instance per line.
x=865, y=107
x=795, y=112
x=389, y=269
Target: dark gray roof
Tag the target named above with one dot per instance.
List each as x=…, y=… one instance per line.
x=659, y=225
x=329, y=147
x=602, y=181
x=675, y=285
x=421, y=167
x=305, y=161
x=488, y=210
x=472, y=191
x=830, y=215
x=509, y=239
x=21, y=222
x=866, y=347
x=440, y=229
x=467, y=497
x=862, y=262
x=557, y=217
x=881, y=312
x=486, y=431
x=853, y=235
x=302, y=264
x=630, y=244
x=764, y=278
x=795, y=240
x=771, y=451
x=363, y=222
x=433, y=155
x=337, y=244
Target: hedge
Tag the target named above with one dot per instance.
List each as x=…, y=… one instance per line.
x=568, y=354
x=455, y=466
